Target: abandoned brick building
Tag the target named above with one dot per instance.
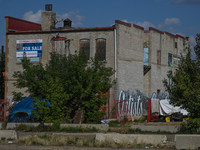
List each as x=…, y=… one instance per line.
x=141, y=58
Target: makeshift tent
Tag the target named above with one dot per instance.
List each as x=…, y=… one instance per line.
x=167, y=109
x=22, y=111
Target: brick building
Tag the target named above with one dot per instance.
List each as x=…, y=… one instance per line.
x=141, y=58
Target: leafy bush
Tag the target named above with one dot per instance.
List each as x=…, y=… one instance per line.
x=183, y=86
x=192, y=126
x=114, y=123
x=4, y=125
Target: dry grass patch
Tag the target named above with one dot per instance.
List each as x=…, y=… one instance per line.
x=49, y=140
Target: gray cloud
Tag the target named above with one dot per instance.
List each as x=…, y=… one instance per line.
x=30, y=16
x=169, y=22
x=145, y=24
x=187, y=2
x=77, y=20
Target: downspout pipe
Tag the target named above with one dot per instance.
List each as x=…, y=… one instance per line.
x=115, y=53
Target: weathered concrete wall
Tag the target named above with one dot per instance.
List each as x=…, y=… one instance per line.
x=166, y=44
x=130, y=138
x=172, y=129
x=8, y=134
x=129, y=58
x=187, y=141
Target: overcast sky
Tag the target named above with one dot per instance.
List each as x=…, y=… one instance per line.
x=175, y=16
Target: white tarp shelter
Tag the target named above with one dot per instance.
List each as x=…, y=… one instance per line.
x=163, y=107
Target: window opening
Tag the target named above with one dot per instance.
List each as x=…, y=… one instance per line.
x=169, y=59
x=176, y=45
x=101, y=49
x=158, y=57
x=146, y=56
x=85, y=46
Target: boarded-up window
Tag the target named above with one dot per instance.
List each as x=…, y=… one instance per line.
x=58, y=46
x=101, y=49
x=158, y=57
x=85, y=46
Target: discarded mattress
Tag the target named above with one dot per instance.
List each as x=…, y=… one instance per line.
x=167, y=109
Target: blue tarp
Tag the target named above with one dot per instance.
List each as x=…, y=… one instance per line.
x=23, y=106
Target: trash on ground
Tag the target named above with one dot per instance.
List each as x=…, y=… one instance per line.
x=105, y=121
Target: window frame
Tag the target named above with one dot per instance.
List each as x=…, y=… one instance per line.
x=88, y=50
x=158, y=60
x=104, y=52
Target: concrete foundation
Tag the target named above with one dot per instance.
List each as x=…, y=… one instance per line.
x=129, y=138
x=171, y=129
x=187, y=141
x=8, y=134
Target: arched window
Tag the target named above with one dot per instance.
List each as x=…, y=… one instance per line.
x=85, y=46
x=101, y=49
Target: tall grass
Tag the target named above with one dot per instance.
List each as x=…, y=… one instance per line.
x=49, y=140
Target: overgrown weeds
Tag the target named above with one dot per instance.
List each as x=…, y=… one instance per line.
x=54, y=128
x=192, y=126
x=138, y=130
x=4, y=125
x=49, y=140
x=114, y=123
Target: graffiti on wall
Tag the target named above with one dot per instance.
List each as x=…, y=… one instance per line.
x=137, y=102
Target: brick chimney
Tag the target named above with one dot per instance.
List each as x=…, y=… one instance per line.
x=48, y=18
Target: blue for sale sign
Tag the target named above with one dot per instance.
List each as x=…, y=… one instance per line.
x=30, y=48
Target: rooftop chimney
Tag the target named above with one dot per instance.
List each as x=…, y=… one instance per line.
x=48, y=18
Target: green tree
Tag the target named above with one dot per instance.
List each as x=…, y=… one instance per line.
x=184, y=89
x=69, y=83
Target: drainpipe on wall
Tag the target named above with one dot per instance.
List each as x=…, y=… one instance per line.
x=115, y=53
